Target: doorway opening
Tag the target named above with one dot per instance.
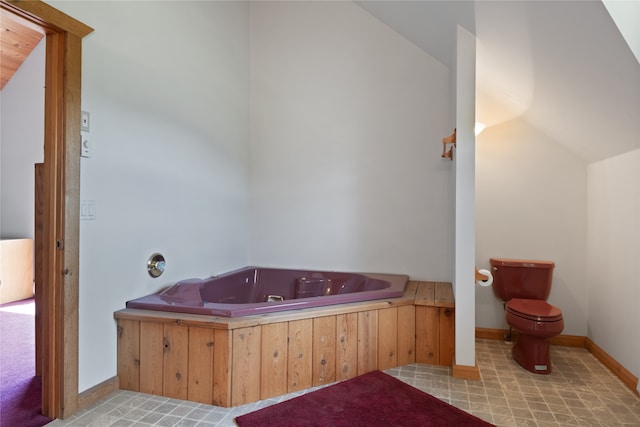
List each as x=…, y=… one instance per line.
x=57, y=251
x=22, y=70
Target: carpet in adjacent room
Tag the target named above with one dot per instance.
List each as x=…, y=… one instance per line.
x=20, y=389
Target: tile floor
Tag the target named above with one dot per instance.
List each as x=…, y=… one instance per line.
x=579, y=392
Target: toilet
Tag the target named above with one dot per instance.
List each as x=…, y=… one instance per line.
x=524, y=286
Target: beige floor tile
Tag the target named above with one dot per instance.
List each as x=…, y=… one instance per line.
x=578, y=392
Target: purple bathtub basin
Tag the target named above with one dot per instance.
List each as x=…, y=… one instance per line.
x=254, y=290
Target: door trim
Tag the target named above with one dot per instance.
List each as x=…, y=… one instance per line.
x=61, y=180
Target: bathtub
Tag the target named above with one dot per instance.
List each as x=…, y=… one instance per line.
x=255, y=290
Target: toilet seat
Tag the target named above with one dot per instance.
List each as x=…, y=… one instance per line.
x=532, y=309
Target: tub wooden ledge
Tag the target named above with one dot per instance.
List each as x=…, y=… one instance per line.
x=233, y=361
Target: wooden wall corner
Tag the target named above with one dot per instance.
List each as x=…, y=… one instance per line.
x=97, y=392
x=465, y=372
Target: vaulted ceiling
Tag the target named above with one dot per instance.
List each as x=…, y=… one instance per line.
x=17, y=40
x=563, y=66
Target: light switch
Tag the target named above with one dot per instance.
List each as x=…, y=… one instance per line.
x=85, y=122
x=88, y=210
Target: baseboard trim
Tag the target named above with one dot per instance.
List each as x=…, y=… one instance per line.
x=618, y=370
x=569, y=341
x=465, y=372
x=630, y=380
x=490, y=334
x=97, y=392
x=499, y=334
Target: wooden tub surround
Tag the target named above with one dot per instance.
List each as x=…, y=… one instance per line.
x=232, y=361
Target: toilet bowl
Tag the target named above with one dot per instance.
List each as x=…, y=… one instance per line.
x=536, y=322
x=524, y=286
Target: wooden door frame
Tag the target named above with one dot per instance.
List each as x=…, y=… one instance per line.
x=61, y=228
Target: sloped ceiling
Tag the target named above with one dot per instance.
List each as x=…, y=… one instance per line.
x=562, y=66
x=17, y=39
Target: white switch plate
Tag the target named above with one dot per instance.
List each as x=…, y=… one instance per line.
x=86, y=145
x=87, y=210
x=84, y=124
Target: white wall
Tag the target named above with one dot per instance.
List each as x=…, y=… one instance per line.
x=21, y=144
x=464, y=161
x=346, y=122
x=613, y=270
x=166, y=84
x=343, y=171
x=531, y=203
x=345, y=166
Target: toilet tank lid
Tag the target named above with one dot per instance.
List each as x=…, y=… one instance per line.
x=508, y=262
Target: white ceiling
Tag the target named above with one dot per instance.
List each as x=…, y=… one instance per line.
x=563, y=66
